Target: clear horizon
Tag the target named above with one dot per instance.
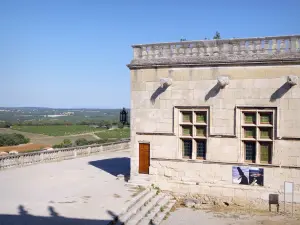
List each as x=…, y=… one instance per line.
x=73, y=53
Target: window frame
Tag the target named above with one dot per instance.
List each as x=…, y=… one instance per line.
x=195, y=126
x=258, y=126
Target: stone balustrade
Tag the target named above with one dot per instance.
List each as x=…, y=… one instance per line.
x=25, y=159
x=217, y=51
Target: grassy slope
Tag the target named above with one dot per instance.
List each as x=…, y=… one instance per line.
x=47, y=140
x=59, y=130
x=115, y=134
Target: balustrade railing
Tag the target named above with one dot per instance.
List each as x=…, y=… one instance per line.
x=278, y=45
x=24, y=159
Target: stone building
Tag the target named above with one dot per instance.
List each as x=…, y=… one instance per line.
x=208, y=116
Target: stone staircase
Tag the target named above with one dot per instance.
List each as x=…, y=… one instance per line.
x=143, y=180
x=148, y=207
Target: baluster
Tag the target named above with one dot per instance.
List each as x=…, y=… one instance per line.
x=188, y=50
x=150, y=52
x=208, y=49
x=144, y=52
x=250, y=47
x=274, y=46
x=235, y=48
x=257, y=44
x=243, y=47
x=137, y=52
x=201, y=49
x=266, y=46
x=282, y=46
x=215, y=48
x=157, y=52
x=174, y=51
x=194, y=50
x=181, y=50
x=166, y=51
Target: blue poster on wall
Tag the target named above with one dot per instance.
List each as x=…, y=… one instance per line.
x=256, y=176
x=246, y=175
x=240, y=175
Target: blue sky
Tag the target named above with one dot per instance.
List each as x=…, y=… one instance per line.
x=73, y=53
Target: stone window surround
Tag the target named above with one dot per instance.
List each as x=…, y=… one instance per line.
x=239, y=126
x=177, y=126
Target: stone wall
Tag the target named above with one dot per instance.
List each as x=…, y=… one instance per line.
x=154, y=110
x=25, y=159
x=215, y=179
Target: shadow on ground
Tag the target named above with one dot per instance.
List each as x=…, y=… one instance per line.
x=114, y=166
x=24, y=218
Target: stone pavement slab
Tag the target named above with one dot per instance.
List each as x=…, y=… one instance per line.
x=78, y=191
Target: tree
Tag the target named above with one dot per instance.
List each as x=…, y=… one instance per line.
x=81, y=142
x=65, y=144
x=217, y=36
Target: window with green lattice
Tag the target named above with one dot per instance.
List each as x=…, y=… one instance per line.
x=200, y=117
x=265, y=152
x=250, y=132
x=265, y=133
x=250, y=118
x=265, y=118
x=187, y=131
x=257, y=136
x=187, y=117
x=201, y=131
x=187, y=148
x=193, y=127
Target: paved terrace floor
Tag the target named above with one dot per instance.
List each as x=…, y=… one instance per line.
x=78, y=191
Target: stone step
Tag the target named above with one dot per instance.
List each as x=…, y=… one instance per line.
x=145, y=210
x=138, y=183
x=124, y=218
x=146, y=220
x=136, y=199
x=161, y=215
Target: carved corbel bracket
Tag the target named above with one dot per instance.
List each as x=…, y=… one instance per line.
x=223, y=81
x=292, y=80
x=165, y=82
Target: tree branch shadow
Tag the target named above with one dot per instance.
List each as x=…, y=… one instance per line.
x=24, y=218
x=281, y=91
x=213, y=92
x=157, y=92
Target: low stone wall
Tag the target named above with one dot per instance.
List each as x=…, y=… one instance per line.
x=25, y=159
x=215, y=179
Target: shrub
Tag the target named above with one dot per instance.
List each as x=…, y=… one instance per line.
x=81, y=141
x=65, y=144
x=13, y=139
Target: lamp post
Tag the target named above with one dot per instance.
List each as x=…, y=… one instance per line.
x=123, y=116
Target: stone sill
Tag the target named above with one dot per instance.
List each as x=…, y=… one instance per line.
x=226, y=163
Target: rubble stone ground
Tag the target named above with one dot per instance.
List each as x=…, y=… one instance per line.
x=217, y=211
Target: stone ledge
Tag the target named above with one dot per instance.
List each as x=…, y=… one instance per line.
x=225, y=163
x=190, y=62
x=159, y=134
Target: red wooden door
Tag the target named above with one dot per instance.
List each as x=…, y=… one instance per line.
x=144, y=158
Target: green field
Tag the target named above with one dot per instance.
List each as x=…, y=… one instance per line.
x=114, y=134
x=57, y=130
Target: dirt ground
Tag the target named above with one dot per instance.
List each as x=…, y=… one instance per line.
x=230, y=215
x=24, y=147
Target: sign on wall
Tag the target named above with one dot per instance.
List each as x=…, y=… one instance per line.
x=246, y=175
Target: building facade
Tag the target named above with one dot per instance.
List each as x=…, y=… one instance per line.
x=217, y=117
